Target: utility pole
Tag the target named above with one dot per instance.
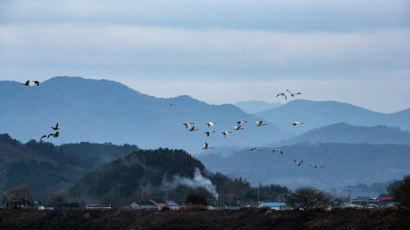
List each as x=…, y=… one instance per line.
x=350, y=201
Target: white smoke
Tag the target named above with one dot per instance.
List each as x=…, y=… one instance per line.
x=198, y=181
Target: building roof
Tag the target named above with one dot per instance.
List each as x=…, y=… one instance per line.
x=273, y=204
x=146, y=203
x=158, y=201
x=384, y=197
x=171, y=203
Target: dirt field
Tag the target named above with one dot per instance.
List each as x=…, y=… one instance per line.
x=200, y=219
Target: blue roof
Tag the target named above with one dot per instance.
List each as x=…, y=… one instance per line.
x=273, y=204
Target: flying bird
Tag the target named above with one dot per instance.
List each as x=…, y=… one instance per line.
x=278, y=150
x=238, y=127
x=206, y=146
x=188, y=124
x=56, y=128
x=293, y=94
x=27, y=83
x=241, y=122
x=192, y=129
x=298, y=163
x=226, y=133
x=254, y=149
x=297, y=123
x=316, y=166
x=208, y=133
x=36, y=83
x=282, y=94
x=42, y=137
x=55, y=135
x=210, y=124
x=260, y=123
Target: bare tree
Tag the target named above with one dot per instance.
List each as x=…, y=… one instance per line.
x=308, y=199
x=19, y=193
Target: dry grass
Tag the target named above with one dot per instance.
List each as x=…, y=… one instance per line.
x=197, y=218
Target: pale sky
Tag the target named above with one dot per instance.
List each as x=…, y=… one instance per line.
x=355, y=51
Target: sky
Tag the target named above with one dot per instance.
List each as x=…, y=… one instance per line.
x=354, y=51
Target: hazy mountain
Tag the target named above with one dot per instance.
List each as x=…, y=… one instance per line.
x=43, y=165
x=254, y=106
x=344, y=164
x=106, y=111
x=345, y=133
x=316, y=114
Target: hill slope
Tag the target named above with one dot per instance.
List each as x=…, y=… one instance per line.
x=345, y=133
x=144, y=170
x=154, y=173
x=43, y=165
x=316, y=114
x=106, y=111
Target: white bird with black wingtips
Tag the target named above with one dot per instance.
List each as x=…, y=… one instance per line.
x=208, y=133
x=188, y=124
x=210, y=124
x=206, y=146
x=192, y=129
x=260, y=123
x=225, y=133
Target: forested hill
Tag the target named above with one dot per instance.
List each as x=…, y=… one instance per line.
x=43, y=165
x=154, y=173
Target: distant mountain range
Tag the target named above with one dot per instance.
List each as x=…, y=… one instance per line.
x=344, y=164
x=345, y=133
x=106, y=111
x=255, y=106
x=317, y=114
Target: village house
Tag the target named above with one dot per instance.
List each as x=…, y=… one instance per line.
x=172, y=205
x=385, y=200
x=363, y=201
x=273, y=205
x=159, y=203
x=147, y=205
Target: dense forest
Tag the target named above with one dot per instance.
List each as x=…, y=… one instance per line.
x=47, y=168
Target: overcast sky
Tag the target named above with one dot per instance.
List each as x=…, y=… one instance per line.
x=355, y=51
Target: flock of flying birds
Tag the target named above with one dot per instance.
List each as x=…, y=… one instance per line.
x=190, y=126
x=56, y=128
